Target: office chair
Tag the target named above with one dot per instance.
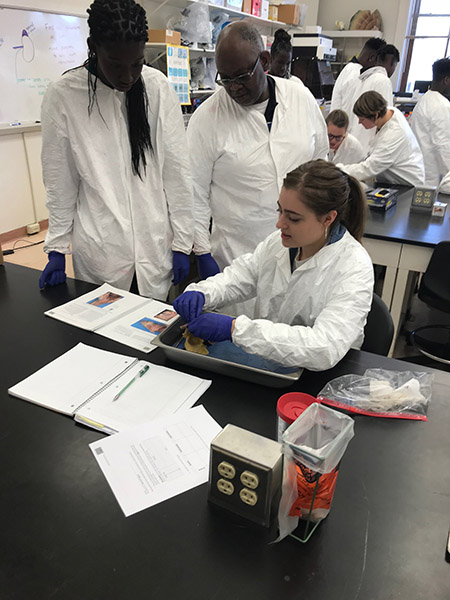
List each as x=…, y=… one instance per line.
x=379, y=329
x=434, y=289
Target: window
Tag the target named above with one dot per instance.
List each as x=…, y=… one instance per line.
x=428, y=40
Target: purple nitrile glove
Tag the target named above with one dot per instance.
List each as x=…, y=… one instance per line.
x=55, y=271
x=212, y=327
x=207, y=266
x=181, y=266
x=189, y=305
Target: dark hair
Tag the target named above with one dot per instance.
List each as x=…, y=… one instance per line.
x=374, y=44
x=118, y=21
x=281, y=42
x=441, y=69
x=338, y=118
x=369, y=104
x=323, y=187
x=388, y=50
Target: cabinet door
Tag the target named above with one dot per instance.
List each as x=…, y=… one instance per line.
x=16, y=201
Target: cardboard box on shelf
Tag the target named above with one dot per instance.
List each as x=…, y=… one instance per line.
x=165, y=36
x=247, y=6
x=264, y=9
x=273, y=12
x=236, y=4
x=256, y=8
x=289, y=13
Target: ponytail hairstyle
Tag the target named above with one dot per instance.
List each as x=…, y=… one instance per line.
x=119, y=21
x=281, y=42
x=322, y=187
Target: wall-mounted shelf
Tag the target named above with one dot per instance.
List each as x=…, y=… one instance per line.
x=197, y=93
x=354, y=33
x=192, y=51
x=233, y=12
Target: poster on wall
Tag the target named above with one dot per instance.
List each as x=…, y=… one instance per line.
x=178, y=71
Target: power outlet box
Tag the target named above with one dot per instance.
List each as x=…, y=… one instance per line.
x=245, y=474
x=33, y=228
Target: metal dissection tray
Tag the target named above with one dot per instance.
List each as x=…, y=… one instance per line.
x=169, y=339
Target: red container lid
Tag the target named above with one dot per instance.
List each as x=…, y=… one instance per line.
x=291, y=405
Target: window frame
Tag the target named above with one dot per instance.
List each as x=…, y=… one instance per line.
x=411, y=37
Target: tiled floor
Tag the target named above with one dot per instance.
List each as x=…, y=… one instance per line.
x=34, y=256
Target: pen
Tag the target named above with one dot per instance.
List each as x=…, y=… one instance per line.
x=135, y=378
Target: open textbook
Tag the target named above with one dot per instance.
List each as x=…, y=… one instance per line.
x=89, y=384
x=119, y=315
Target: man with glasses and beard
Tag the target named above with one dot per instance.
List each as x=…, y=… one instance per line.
x=242, y=142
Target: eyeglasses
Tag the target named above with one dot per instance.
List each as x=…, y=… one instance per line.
x=338, y=138
x=239, y=80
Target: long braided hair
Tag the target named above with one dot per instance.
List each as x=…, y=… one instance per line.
x=118, y=21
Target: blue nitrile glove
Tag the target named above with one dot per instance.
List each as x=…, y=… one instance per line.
x=181, y=266
x=212, y=327
x=189, y=305
x=207, y=266
x=55, y=271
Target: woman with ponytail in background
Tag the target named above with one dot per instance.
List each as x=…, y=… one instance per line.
x=312, y=280
x=115, y=166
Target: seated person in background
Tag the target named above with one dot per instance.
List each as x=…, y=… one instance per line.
x=312, y=280
x=395, y=156
x=344, y=147
x=430, y=122
x=281, y=56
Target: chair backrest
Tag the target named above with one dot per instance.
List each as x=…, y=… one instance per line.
x=379, y=329
x=434, y=287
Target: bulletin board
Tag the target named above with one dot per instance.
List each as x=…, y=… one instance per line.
x=35, y=48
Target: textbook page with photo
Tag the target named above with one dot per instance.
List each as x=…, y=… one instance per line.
x=108, y=391
x=119, y=315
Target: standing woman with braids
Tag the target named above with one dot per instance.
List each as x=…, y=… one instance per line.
x=313, y=283
x=115, y=165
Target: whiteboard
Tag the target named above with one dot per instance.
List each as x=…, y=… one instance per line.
x=35, y=48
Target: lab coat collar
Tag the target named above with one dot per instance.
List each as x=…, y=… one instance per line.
x=372, y=71
x=326, y=253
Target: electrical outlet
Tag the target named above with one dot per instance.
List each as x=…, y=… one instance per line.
x=248, y=496
x=225, y=487
x=226, y=470
x=254, y=463
x=33, y=228
x=250, y=480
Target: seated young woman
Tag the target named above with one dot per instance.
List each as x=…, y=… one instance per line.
x=312, y=279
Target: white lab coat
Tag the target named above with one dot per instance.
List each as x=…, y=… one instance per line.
x=374, y=79
x=309, y=318
x=238, y=166
x=349, y=152
x=340, y=99
x=395, y=156
x=444, y=186
x=430, y=122
x=115, y=222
